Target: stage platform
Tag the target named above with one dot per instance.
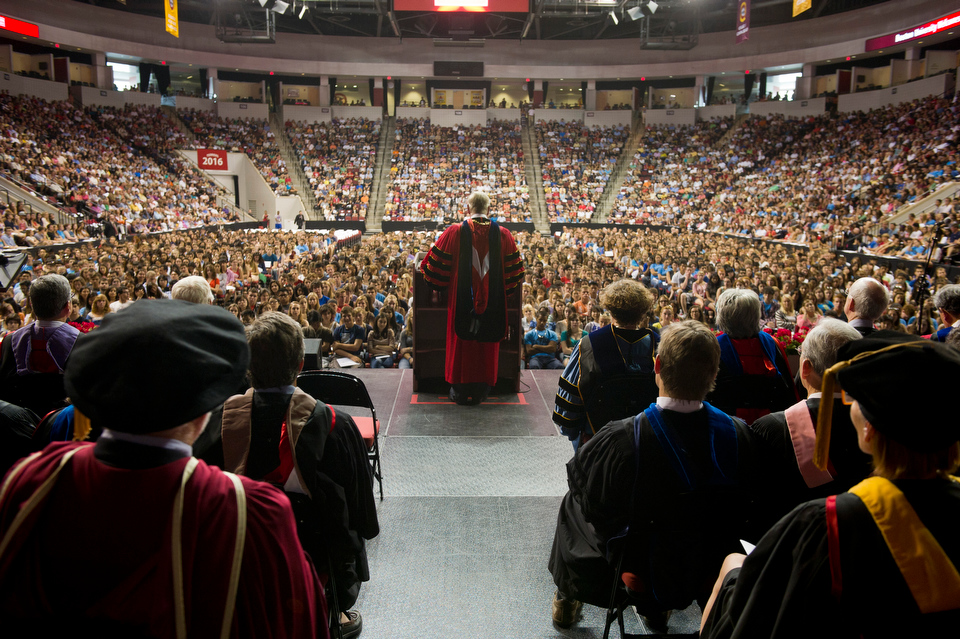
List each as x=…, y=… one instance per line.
x=467, y=522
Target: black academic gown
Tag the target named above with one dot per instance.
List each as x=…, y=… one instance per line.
x=332, y=457
x=17, y=426
x=782, y=486
x=601, y=478
x=783, y=589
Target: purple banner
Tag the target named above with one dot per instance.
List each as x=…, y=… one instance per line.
x=743, y=20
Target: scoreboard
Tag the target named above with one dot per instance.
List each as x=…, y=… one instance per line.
x=471, y=6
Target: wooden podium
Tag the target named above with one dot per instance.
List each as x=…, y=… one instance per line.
x=430, y=336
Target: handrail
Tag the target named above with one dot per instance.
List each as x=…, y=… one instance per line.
x=61, y=217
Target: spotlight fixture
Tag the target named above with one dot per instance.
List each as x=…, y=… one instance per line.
x=280, y=7
x=303, y=11
x=634, y=13
x=649, y=8
x=613, y=16
x=263, y=3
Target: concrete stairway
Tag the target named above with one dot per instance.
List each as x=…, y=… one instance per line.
x=534, y=176
x=737, y=123
x=381, y=174
x=609, y=196
x=176, y=119
x=290, y=158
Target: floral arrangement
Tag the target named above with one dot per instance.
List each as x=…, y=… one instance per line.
x=789, y=339
x=83, y=327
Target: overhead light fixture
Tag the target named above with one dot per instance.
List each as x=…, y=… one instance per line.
x=280, y=7
x=263, y=3
x=303, y=12
x=613, y=16
x=646, y=8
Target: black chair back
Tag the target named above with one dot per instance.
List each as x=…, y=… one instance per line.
x=335, y=387
x=342, y=389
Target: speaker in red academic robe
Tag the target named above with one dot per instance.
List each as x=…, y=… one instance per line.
x=479, y=262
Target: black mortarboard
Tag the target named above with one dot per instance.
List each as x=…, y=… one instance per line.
x=879, y=371
x=157, y=365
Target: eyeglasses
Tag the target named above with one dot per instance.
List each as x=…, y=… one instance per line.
x=846, y=399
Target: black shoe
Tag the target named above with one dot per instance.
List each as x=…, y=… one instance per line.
x=351, y=629
x=657, y=621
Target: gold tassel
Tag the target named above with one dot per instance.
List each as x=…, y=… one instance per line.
x=81, y=425
x=821, y=453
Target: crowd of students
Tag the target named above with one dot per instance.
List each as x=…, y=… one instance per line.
x=338, y=293
x=803, y=181
x=100, y=165
x=576, y=162
x=797, y=179
x=338, y=158
x=250, y=136
x=434, y=169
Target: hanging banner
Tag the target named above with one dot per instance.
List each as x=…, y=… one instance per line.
x=172, y=20
x=799, y=6
x=743, y=20
x=212, y=159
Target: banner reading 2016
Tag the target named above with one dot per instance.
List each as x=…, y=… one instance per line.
x=212, y=159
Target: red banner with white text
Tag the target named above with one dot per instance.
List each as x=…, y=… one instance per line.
x=212, y=160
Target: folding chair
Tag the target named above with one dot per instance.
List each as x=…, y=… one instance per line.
x=341, y=389
x=673, y=552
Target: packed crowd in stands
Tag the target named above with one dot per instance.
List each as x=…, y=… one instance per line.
x=669, y=170
x=801, y=179
x=797, y=180
x=250, y=136
x=337, y=158
x=145, y=127
x=435, y=168
x=96, y=166
x=576, y=161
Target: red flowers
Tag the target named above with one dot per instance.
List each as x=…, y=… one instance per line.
x=789, y=339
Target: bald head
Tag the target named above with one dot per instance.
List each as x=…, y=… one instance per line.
x=866, y=300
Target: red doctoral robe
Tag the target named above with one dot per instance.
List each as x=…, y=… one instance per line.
x=97, y=551
x=471, y=361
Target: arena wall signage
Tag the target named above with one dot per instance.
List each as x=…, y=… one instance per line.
x=913, y=33
x=212, y=160
x=19, y=26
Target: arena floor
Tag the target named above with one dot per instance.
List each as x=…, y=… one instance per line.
x=466, y=525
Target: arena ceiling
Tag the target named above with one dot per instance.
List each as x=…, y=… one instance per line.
x=676, y=24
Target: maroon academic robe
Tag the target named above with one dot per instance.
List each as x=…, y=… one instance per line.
x=470, y=361
x=97, y=551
